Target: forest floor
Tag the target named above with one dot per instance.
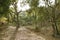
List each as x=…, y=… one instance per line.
x=27, y=34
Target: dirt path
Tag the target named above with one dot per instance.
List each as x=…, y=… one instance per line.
x=22, y=34
x=25, y=34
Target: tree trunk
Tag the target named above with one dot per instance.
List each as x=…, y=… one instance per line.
x=54, y=24
x=56, y=32
x=17, y=22
x=55, y=29
x=17, y=27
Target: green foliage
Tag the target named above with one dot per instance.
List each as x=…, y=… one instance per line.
x=4, y=6
x=34, y=3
